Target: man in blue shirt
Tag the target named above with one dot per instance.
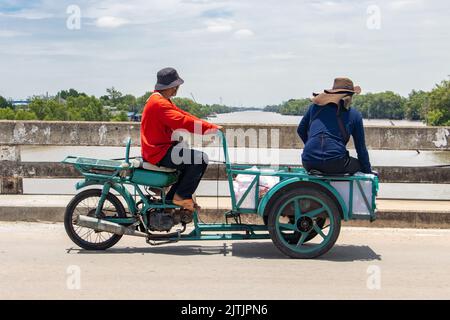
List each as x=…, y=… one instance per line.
x=326, y=128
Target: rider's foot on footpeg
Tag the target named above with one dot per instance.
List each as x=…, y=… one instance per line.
x=186, y=203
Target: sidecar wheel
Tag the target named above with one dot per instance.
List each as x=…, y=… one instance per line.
x=85, y=203
x=304, y=223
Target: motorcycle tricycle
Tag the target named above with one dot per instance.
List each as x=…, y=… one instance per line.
x=301, y=214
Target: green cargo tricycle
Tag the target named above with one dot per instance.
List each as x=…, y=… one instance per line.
x=301, y=213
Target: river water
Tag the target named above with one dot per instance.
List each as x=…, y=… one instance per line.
x=378, y=158
x=276, y=118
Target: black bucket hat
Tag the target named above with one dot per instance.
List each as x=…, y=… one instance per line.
x=168, y=78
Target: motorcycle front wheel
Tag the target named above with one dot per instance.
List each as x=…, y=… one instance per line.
x=85, y=203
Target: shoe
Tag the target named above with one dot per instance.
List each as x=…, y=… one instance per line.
x=186, y=203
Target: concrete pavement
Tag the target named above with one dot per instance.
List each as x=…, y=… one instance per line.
x=38, y=261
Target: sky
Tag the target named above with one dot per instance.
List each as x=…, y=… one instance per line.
x=237, y=52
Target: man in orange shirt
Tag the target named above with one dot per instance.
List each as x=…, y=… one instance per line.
x=160, y=118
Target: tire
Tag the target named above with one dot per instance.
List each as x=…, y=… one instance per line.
x=75, y=232
x=285, y=222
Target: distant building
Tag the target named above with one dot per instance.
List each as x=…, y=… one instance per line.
x=20, y=103
x=110, y=108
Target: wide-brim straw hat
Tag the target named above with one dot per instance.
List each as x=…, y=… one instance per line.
x=343, y=88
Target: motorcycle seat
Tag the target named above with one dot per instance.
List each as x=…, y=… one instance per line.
x=315, y=172
x=140, y=163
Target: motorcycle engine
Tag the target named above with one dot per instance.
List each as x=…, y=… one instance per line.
x=158, y=220
x=164, y=220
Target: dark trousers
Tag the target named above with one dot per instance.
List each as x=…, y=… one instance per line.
x=191, y=164
x=336, y=166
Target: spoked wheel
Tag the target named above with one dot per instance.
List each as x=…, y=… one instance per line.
x=85, y=203
x=320, y=221
x=304, y=223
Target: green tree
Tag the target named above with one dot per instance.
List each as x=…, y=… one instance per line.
x=25, y=115
x=114, y=96
x=439, y=105
x=48, y=109
x=383, y=105
x=416, y=106
x=122, y=116
x=5, y=103
x=64, y=94
x=105, y=100
x=297, y=107
x=218, y=108
x=71, y=105
x=273, y=108
x=7, y=114
x=84, y=108
x=128, y=103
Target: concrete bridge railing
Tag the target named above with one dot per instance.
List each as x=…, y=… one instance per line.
x=15, y=134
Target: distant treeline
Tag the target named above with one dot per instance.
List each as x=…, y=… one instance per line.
x=432, y=107
x=71, y=105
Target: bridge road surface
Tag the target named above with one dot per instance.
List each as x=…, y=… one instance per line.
x=38, y=261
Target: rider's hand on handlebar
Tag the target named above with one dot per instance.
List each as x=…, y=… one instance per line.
x=375, y=173
x=219, y=128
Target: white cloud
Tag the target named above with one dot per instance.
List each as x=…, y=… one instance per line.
x=12, y=34
x=219, y=25
x=244, y=33
x=147, y=12
x=330, y=7
x=282, y=56
x=110, y=22
x=404, y=4
x=28, y=14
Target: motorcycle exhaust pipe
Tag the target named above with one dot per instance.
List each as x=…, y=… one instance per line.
x=107, y=226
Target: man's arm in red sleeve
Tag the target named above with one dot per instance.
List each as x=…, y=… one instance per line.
x=176, y=119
